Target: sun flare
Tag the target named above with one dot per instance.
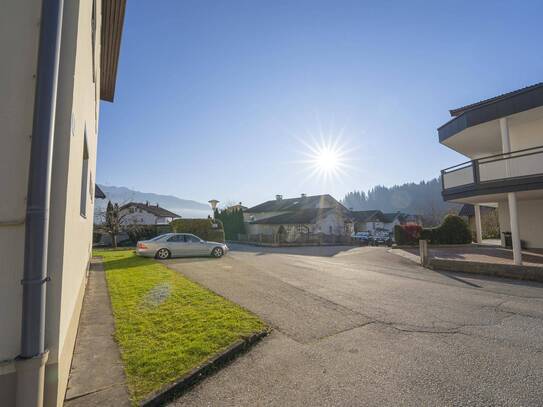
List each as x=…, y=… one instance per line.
x=327, y=159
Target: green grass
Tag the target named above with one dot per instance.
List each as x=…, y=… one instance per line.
x=166, y=324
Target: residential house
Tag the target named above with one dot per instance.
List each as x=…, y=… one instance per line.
x=59, y=60
x=502, y=137
x=236, y=207
x=298, y=218
x=145, y=214
x=375, y=220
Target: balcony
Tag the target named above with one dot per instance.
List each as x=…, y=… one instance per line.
x=520, y=170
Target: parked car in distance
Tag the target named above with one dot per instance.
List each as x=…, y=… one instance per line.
x=381, y=238
x=362, y=237
x=179, y=245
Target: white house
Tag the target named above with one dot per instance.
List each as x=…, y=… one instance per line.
x=375, y=220
x=502, y=137
x=297, y=218
x=59, y=58
x=145, y=214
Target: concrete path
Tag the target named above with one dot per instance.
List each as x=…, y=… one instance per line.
x=97, y=375
x=357, y=327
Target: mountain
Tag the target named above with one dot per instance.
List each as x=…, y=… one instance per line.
x=423, y=198
x=186, y=208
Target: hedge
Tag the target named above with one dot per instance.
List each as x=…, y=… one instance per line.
x=207, y=229
x=453, y=230
x=144, y=232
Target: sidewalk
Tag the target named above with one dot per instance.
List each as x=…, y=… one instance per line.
x=97, y=374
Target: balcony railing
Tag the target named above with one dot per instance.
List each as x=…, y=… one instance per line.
x=519, y=164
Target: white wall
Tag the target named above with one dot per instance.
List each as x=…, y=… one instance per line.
x=19, y=36
x=70, y=234
x=530, y=213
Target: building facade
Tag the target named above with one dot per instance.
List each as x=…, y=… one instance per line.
x=299, y=219
x=503, y=139
x=136, y=213
x=77, y=42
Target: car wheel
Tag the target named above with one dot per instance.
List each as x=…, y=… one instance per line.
x=163, y=254
x=217, y=252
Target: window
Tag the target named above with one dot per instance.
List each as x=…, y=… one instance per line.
x=131, y=209
x=177, y=238
x=84, y=178
x=192, y=239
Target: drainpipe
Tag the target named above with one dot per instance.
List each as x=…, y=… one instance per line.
x=30, y=365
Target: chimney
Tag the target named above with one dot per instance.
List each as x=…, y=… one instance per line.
x=304, y=195
x=157, y=205
x=146, y=203
x=278, y=197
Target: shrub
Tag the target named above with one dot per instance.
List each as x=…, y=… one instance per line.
x=206, y=229
x=453, y=230
x=144, y=232
x=407, y=234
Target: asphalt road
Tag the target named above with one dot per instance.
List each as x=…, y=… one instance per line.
x=364, y=327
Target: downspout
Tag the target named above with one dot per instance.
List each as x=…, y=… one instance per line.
x=30, y=364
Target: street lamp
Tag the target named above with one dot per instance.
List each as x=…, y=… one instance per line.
x=213, y=204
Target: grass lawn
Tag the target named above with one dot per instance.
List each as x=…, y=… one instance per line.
x=166, y=324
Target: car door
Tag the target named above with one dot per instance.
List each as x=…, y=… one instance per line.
x=196, y=246
x=176, y=245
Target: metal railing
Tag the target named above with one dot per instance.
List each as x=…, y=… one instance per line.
x=505, y=166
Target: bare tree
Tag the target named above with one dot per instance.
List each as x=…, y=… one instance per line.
x=112, y=221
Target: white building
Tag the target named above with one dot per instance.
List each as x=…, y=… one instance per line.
x=503, y=139
x=299, y=217
x=375, y=220
x=59, y=60
x=145, y=214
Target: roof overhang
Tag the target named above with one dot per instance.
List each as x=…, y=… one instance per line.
x=492, y=109
x=112, y=28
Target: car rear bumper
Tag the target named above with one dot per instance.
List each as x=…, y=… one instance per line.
x=145, y=252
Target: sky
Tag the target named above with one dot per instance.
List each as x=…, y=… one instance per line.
x=228, y=99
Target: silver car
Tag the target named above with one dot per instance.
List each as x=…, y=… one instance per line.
x=179, y=245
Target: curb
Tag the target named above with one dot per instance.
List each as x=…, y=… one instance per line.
x=199, y=373
x=526, y=273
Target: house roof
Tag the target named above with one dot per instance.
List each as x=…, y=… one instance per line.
x=494, y=108
x=367, y=216
x=302, y=216
x=458, y=111
x=154, y=209
x=389, y=217
x=293, y=204
x=98, y=193
x=469, y=210
x=112, y=28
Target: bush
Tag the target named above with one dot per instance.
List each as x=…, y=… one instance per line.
x=407, y=234
x=206, y=229
x=145, y=232
x=453, y=230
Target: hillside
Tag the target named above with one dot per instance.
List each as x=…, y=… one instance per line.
x=423, y=198
x=186, y=208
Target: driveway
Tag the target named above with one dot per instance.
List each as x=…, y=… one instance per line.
x=362, y=326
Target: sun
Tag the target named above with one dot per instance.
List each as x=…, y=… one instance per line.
x=326, y=159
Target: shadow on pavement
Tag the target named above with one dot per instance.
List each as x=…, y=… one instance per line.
x=322, y=251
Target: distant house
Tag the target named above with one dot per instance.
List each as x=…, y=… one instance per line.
x=236, y=207
x=296, y=218
x=146, y=214
x=375, y=220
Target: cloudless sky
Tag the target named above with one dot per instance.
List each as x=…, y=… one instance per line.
x=219, y=99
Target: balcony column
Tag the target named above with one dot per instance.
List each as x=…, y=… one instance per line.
x=511, y=196
x=478, y=226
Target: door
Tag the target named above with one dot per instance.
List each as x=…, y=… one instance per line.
x=177, y=245
x=196, y=246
